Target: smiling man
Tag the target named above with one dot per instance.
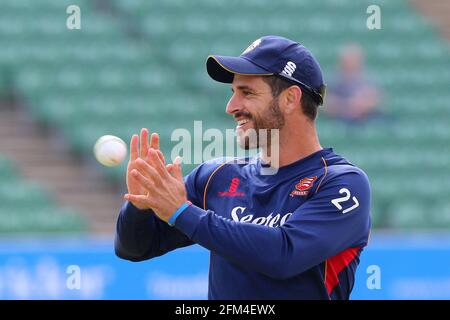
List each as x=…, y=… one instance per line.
x=294, y=234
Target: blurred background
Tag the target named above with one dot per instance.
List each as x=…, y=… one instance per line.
x=141, y=63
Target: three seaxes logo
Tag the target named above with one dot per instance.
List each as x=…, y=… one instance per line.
x=232, y=191
x=302, y=188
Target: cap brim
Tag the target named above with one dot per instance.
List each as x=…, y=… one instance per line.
x=223, y=68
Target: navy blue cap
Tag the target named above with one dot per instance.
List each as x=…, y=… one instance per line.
x=269, y=56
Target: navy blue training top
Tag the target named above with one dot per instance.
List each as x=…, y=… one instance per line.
x=296, y=234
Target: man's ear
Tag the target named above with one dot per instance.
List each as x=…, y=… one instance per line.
x=291, y=98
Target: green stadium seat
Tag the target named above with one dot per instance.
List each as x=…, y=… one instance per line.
x=24, y=195
x=40, y=220
x=407, y=215
x=29, y=207
x=7, y=169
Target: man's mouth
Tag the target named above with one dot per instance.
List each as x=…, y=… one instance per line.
x=242, y=123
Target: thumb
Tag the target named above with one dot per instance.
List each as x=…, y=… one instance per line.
x=176, y=170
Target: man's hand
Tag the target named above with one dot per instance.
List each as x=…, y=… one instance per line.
x=133, y=186
x=160, y=190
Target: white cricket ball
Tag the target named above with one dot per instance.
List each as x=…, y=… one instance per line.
x=110, y=150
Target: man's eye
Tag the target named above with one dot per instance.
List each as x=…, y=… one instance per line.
x=246, y=93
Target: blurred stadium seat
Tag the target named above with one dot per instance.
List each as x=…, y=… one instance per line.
x=28, y=208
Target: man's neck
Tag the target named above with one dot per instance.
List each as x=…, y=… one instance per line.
x=293, y=146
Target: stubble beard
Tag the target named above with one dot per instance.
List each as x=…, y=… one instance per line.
x=260, y=135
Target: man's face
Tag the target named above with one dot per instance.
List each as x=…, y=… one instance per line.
x=254, y=108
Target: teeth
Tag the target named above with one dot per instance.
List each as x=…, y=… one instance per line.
x=242, y=122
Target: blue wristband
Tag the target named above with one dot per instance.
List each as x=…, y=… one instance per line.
x=179, y=211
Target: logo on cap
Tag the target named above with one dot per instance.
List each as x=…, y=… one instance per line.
x=252, y=46
x=289, y=69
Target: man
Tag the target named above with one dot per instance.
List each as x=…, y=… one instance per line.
x=295, y=234
x=352, y=98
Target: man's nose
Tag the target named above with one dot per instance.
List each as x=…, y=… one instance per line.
x=232, y=105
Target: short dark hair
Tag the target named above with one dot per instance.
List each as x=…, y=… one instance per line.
x=278, y=85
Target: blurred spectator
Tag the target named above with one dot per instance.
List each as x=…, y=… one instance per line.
x=351, y=97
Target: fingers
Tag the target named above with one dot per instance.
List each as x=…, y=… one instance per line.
x=144, y=142
x=147, y=170
x=134, y=153
x=154, y=144
x=146, y=183
x=161, y=156
x=155, y=162
x=140, y=200
x=178, y=160
x=154, y=141
x=177, y=171
x=133, y=181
